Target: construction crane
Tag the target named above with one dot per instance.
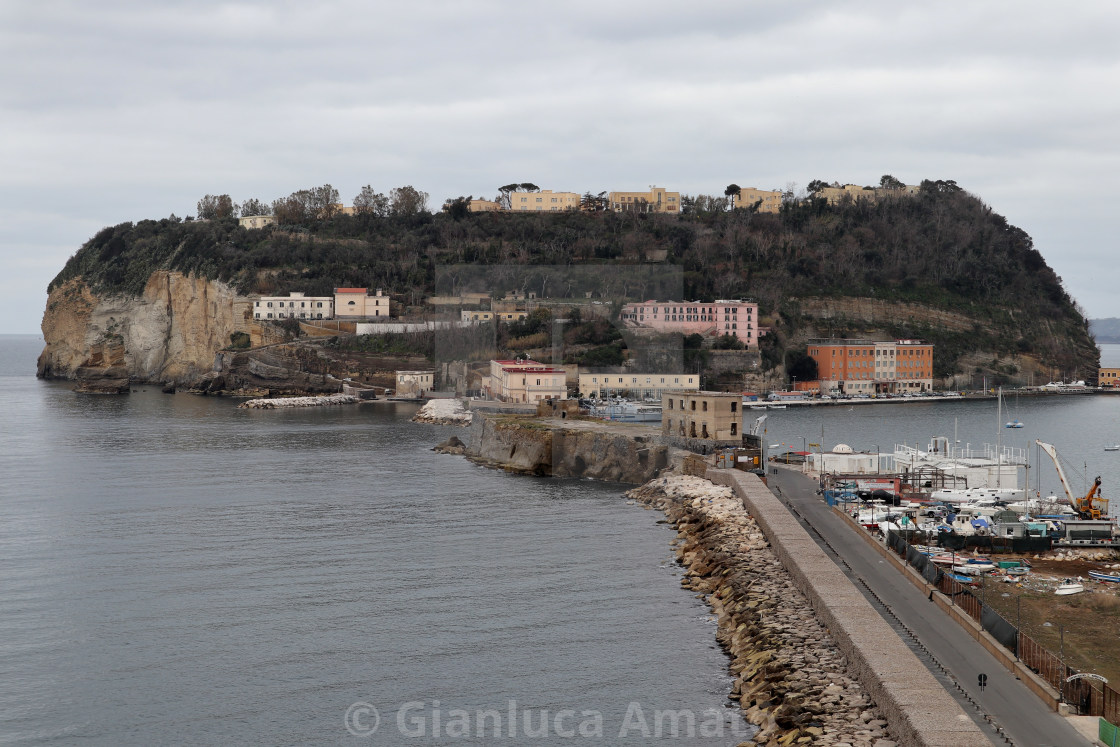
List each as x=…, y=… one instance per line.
x=1091, y=505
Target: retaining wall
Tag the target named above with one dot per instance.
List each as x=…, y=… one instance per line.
x=917, y=707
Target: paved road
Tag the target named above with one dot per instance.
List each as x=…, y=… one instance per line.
x=953, y=656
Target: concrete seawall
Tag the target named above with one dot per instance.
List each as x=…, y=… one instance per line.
x=915, y=705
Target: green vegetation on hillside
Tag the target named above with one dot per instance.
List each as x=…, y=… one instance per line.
x=943, y=249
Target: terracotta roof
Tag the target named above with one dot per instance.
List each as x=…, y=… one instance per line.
x=351, y=290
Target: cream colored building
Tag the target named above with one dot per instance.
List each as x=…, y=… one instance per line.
x=486, y=316
x=656, y=200
x=293, y=306
x=525, y=381
x=544, y=201
x=635, y=385
x=484, y=206
x=256, y=221
x=771, y=201
x=414, y=383
x=356, y=302
x=707, y=416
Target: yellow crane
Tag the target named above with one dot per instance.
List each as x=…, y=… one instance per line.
x=1089, y=506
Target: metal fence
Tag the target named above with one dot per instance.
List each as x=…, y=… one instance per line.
x=1092, y=698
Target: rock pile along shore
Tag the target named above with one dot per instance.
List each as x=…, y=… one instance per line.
x=281, y=402
x=791, y=679
x=443, y=412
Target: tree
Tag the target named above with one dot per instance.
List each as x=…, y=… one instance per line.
x=801, y=366
x=291, y=209
x=529, y=187
x=505, y=192
x=369, y=202
x=407, y=200
x=889, y=182
x=218, y=207
x=815, y=186
x=946, y=186
x=590, y=203
x=732, y=193
x=459, y=207
x=323, y=202
x=253, y=206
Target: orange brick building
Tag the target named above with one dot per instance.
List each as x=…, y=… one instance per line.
x=871, y=367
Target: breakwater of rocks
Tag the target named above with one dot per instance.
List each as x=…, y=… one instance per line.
x=282, y=402
x=791, y=680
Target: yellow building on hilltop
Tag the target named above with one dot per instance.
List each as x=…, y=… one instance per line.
x=483, y=206
x=656, y=200
x=771, y=201
x=545, y=201
x=872, y=194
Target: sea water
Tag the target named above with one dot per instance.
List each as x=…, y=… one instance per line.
x=174, y=570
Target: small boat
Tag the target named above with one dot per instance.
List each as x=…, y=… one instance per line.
x=1013, y=424
x=1069, y=586
x=1098, y=576
x=1113, y=447
x=963, y=579
x=1021, y=571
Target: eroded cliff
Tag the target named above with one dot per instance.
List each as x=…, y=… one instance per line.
x=170, y=332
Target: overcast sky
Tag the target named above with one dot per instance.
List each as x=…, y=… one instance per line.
x=114, y=111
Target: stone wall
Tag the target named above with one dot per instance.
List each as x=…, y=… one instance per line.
x=916, y=706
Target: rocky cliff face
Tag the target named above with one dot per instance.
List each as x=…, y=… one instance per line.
x=535, y=447
x=170, y=332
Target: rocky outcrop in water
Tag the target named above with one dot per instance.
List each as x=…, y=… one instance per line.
x=170, y=332
x=534, y=446
x=790, y=678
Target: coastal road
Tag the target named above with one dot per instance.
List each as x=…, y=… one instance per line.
x=953, y=656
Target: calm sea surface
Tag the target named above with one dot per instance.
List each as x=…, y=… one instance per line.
x=174, y=570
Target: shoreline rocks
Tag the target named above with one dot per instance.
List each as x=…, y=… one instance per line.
x=791, y=680
x=283, y=402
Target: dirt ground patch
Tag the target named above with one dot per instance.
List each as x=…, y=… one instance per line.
x=1084, y=628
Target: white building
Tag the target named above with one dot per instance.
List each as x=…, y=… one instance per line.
x=415, y=383
x=293, y=306
x=525, y=381
x=256, y=221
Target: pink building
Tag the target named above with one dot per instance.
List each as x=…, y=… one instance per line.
x=713, y=319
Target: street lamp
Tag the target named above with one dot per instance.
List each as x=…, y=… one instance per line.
x=804, y=458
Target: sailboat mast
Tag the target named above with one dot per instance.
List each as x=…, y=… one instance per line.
x=999, y=438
